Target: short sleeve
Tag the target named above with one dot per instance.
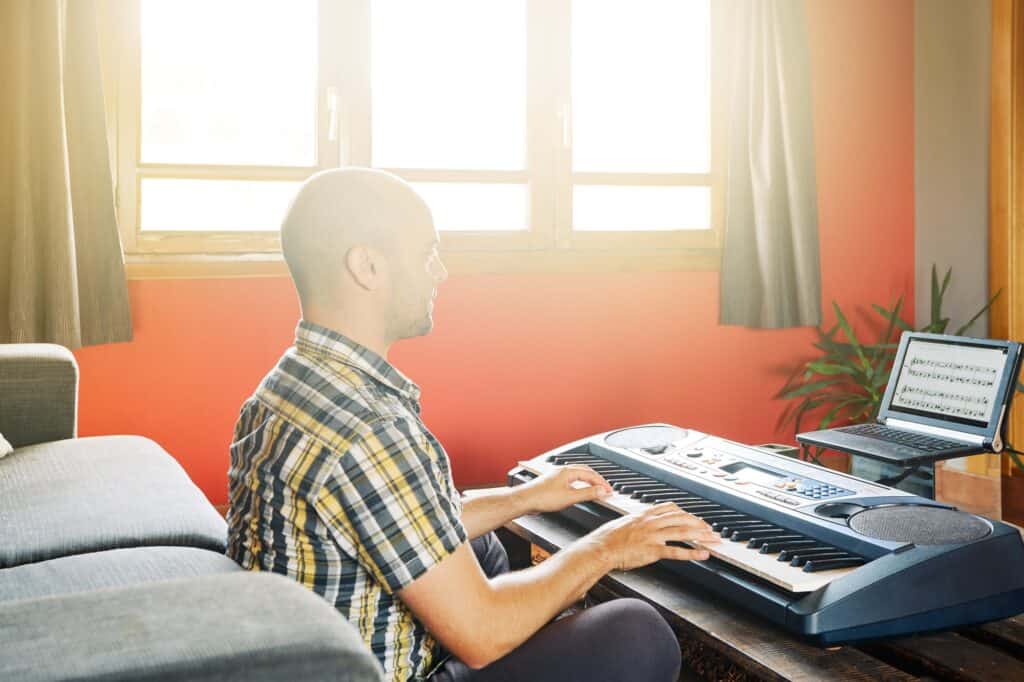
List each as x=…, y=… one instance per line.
x=384, y=505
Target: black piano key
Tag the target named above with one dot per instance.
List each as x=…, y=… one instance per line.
x=605, y=468
x=625, y=480
x=661, y=489
x=631, y=488
x=801, y=558
x=827, y=564
x=773, y=547
x=723, y=514
x=747, y=533
x=788, y=554
x=752, y=524
x=656, y=497
x=757, y=542
x=694, y=507
x=576, y=459
x=739, y=521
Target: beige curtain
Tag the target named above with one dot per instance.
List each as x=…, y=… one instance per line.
x=62, y=274
x=770, y=273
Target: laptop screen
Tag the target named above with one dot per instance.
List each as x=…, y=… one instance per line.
x=951, y=381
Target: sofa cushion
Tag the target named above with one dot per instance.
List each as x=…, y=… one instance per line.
x=89, y=494
x=113, y=568
x=234, y=626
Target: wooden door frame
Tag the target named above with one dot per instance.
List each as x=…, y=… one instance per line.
x=1006, y=212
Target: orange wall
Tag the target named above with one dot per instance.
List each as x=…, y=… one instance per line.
x=521, y=363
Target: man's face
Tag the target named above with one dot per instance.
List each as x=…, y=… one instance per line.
x=416, y=271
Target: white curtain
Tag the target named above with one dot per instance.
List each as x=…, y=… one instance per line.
x=770, y=274
x=62, y=274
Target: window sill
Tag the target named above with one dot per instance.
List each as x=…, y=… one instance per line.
x=210, y=266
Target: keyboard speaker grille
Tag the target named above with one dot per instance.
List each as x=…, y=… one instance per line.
x=919, y=524
x=645, y=437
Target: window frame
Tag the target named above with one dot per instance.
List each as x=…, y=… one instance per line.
x=549, y=243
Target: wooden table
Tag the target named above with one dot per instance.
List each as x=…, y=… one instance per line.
x=721, y=642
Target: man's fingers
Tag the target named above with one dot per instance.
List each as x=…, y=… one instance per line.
x=681, y=554
x=679, y=518
x=662, y=508
x=582, y=473
x=590, y=492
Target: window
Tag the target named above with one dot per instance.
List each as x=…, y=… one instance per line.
x=545, y=134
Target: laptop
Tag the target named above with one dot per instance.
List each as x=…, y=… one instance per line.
x=947, y=396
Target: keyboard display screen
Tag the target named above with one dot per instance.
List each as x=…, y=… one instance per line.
x=949, y=381
x=746, y=472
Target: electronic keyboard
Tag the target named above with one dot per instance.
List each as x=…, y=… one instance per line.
x=828, y=556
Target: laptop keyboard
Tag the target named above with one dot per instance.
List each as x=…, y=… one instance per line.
x=914, y=440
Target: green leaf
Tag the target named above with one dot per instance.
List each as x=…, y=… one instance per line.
x=810, y=388
x=1016, y=459
x=936, y=298
x=892, y=317
x=945, y=281
x=829, y=368
x=849, y=334
x=831, y=414
x=970, y=323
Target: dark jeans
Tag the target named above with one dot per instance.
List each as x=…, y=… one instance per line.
x=624, y=640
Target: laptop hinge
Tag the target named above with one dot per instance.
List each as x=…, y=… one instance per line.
x=936, y=431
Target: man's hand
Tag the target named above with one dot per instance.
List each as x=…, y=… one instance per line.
x=564, y=487
x=640, y=539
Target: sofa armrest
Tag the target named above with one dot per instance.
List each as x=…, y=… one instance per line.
x=38, y=393
x=257, y=627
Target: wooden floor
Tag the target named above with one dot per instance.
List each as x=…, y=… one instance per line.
x=721, y=642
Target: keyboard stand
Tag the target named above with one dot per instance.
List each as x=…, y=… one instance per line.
x=807, y=454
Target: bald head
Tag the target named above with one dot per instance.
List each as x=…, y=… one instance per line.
x=336, y=211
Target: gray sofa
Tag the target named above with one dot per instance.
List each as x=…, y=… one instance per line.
x=112, y=565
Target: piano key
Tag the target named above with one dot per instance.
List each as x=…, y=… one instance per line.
x=753, y=524
x=696, y=508
x=723, y=514
x=826, y=564
x=799, y=559
x=619, y=482
x=561, y=459
x=578, y=459
x=740, y=521
x=747, y=533
x=631, y=488
x=788, y=554
x=654, y=498
x=785, y=536
x=662, y=489
x=773, y=547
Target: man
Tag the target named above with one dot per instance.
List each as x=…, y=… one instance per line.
x=336, y=482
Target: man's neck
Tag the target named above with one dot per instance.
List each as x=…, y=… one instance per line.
x=356, y=330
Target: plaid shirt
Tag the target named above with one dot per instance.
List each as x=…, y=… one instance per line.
x=336, y=482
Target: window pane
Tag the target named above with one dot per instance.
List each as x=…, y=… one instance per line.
x=449, y=84
x=475, y=206
x=229, y=82
x=215, y=205
x=640, y=86
x=609, y=207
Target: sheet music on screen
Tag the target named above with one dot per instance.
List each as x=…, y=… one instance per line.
x=954, y=381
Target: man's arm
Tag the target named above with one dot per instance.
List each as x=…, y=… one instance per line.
x=484, y=511
x=490, y=618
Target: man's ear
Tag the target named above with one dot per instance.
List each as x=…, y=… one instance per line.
x=365, y=266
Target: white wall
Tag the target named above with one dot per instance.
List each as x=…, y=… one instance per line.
x=952, y=55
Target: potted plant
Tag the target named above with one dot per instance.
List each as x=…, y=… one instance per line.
x=847, y=379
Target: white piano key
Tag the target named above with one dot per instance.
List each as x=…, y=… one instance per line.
x=764, y=566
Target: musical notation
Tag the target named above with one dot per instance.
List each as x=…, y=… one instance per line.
x=954, y=385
